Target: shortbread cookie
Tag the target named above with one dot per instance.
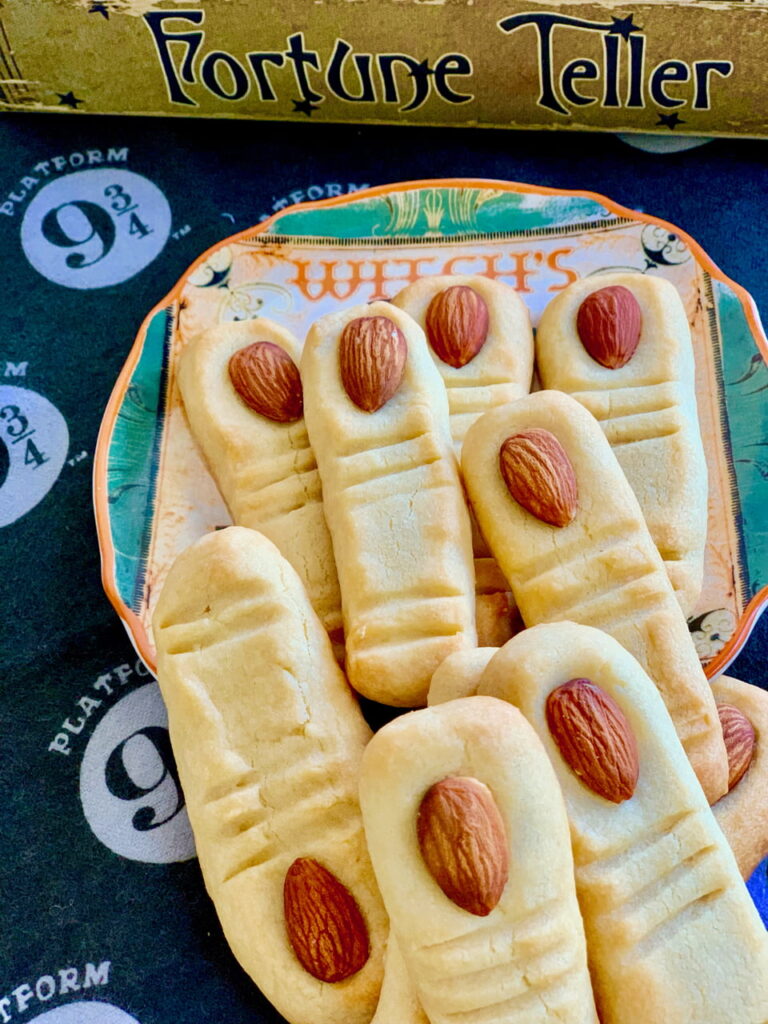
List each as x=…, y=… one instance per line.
x=243, y=398
x=673, y=936
x=268, y=740
x=568, y=533
x=459, y=675
x=742, y=813
x=469, y=840
x=377, y=417
x=479, y=333
x=621, y=345
x=398, y=1002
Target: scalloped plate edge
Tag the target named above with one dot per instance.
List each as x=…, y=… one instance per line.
x=131, y=621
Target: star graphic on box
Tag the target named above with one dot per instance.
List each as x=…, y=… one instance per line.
x=422, y=69
x=670, y=121
x=624, y=27
x=68, y=99
x=304, y=107
x=98, y=8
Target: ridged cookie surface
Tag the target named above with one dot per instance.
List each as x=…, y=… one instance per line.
x=517, y=955
x=672, y=934
x=265, y=468
x=398, y=1002
x=268, y=740
x=646, y=406
x=393, y=500
x=596, y=564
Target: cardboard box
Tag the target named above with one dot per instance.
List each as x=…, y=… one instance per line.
x=684, y=66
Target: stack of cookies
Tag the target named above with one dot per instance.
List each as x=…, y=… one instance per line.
x=415, y=525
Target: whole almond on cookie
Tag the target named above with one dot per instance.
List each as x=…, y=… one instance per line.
x=372, y=354
x=539, y=475
x=609, y=323
x=739, y=736
x=463, y=843
x=323, y=921
x=457, y=324
x=268, y=381
x=594, y=738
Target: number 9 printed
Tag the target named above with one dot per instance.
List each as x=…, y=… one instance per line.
x=129, y=786
x=95, y=228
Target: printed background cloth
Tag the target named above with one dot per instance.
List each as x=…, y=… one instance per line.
x=105, y=920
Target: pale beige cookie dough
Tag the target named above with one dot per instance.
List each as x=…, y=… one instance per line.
x=501, y=369
x=496, y=615
x=459, y=675
x=398, y=1002
x=673, y=936
x=268, y=739
x=459, y=312
x=394, y=505
x=265, y=470
x=520, y=957
x=647, y=410
x=742, y=813
x=600, y=568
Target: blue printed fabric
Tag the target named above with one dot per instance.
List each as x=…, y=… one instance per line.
x=105, y=917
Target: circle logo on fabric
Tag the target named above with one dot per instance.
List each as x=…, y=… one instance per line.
x=34, y=440
x=95, y=228
x=129, y=786
x=90, y=1012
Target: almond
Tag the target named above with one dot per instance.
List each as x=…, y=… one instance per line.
x=609, y=323
x=739, y=736
x=268, y=381
x=463, y=842
x=594, y=738
x=323, y=921
x=372, y=354
x=457, y=324
x=539, y=475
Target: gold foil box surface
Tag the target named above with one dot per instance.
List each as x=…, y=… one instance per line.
x=682, y=66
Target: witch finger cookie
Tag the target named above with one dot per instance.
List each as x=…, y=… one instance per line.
x=378, y=421
x=672, y=934
x=568, y=533
x=469, y=840
x=243, y=398
x=742, y=813
x=621, y=345
x=268, y=738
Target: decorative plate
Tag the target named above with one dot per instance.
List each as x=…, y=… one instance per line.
x=154, y=495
